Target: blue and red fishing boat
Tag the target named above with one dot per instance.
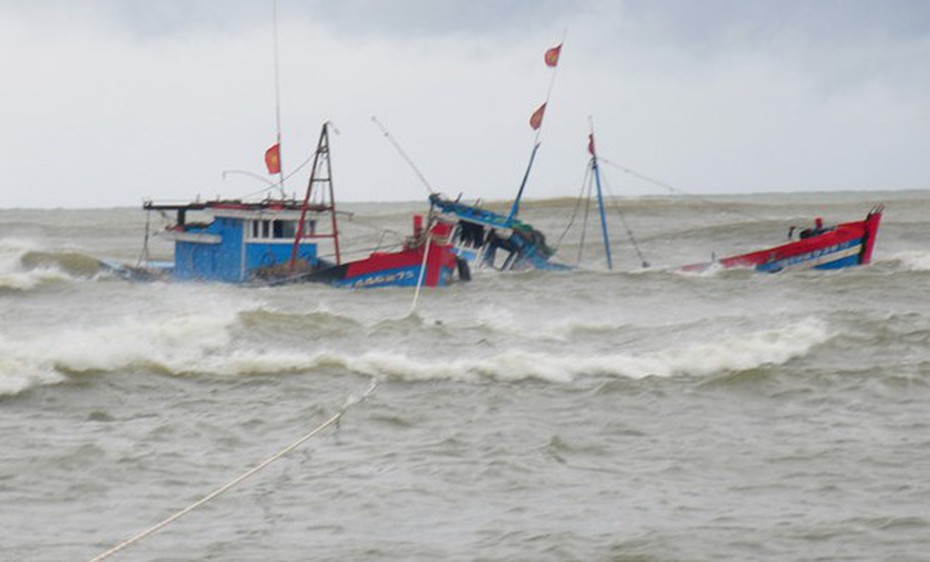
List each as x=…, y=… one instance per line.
x=424, y=260
x=818, y=247
x=277, y=240
x=495, y=240
x=502, y=241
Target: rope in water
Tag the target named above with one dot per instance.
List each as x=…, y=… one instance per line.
x=260, y=466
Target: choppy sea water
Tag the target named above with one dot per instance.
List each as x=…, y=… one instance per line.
x=639, y=414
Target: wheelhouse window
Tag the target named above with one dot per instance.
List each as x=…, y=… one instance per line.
x=269, y=229
x=285, y=229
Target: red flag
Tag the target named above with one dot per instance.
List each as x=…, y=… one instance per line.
x=273, y=159
x=591, y=144
x=552, y=55
x=536, y=119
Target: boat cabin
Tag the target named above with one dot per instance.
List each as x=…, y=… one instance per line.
x=234, y=242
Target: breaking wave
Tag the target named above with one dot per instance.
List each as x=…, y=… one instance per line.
x=911, y=261
x=730, y=354
x=24, y=267
x=204, y=344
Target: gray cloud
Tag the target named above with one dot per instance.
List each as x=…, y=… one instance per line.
x=397, y=19
x=730, y=23
x=128, y=99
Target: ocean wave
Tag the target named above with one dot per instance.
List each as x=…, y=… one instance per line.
x=18, y=374
x=74, y=264
x=209, y=344
x=20, y=281
x=171, y=345
x=23, y=266
x=914, y=260
x=734, y=353
x=319, y=322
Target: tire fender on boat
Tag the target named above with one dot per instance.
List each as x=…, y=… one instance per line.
x=463, y=269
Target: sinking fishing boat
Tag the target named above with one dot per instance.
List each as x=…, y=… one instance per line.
x=505, y=242
x=489, y=239
x=818, y=247
x=277, y=240
x=485, y=238
x=426, y=259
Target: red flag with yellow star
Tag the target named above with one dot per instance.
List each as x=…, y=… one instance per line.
x=537, y=117
x=552, y=55
x=273, y=159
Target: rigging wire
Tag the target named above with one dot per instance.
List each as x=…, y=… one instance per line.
x=144, y=255
x=360, y=221
x=271, y=185
x=675, y=190
x=400, y=150
x=629, y=231
x=587, y=185
x=584, y=183
x=367, y=251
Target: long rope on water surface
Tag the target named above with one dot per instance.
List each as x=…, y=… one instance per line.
x=232, y=483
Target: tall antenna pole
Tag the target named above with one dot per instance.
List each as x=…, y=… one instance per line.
x=277, y=97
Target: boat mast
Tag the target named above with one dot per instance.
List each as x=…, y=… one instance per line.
x=277, y=99
x=551, y=59
x=600, y=197
x=318, y=174
x=516, y=202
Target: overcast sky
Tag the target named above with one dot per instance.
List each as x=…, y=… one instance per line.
x=108, y=102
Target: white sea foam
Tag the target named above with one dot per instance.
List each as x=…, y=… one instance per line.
x=913, y=260
x=13, y=275
x=179, y=344
x=497, y=319
x=730, y=353
x=18, y=374
x=26, y=280
x=734, y=352
x=202, y=343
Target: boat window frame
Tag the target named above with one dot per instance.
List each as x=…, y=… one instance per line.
x=269, y=230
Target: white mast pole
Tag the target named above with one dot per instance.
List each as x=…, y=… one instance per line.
x=277, y=98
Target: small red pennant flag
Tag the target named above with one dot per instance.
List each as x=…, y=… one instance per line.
x=273, y=159
x=552, y=55
x=591, y=144
x=537, y=117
